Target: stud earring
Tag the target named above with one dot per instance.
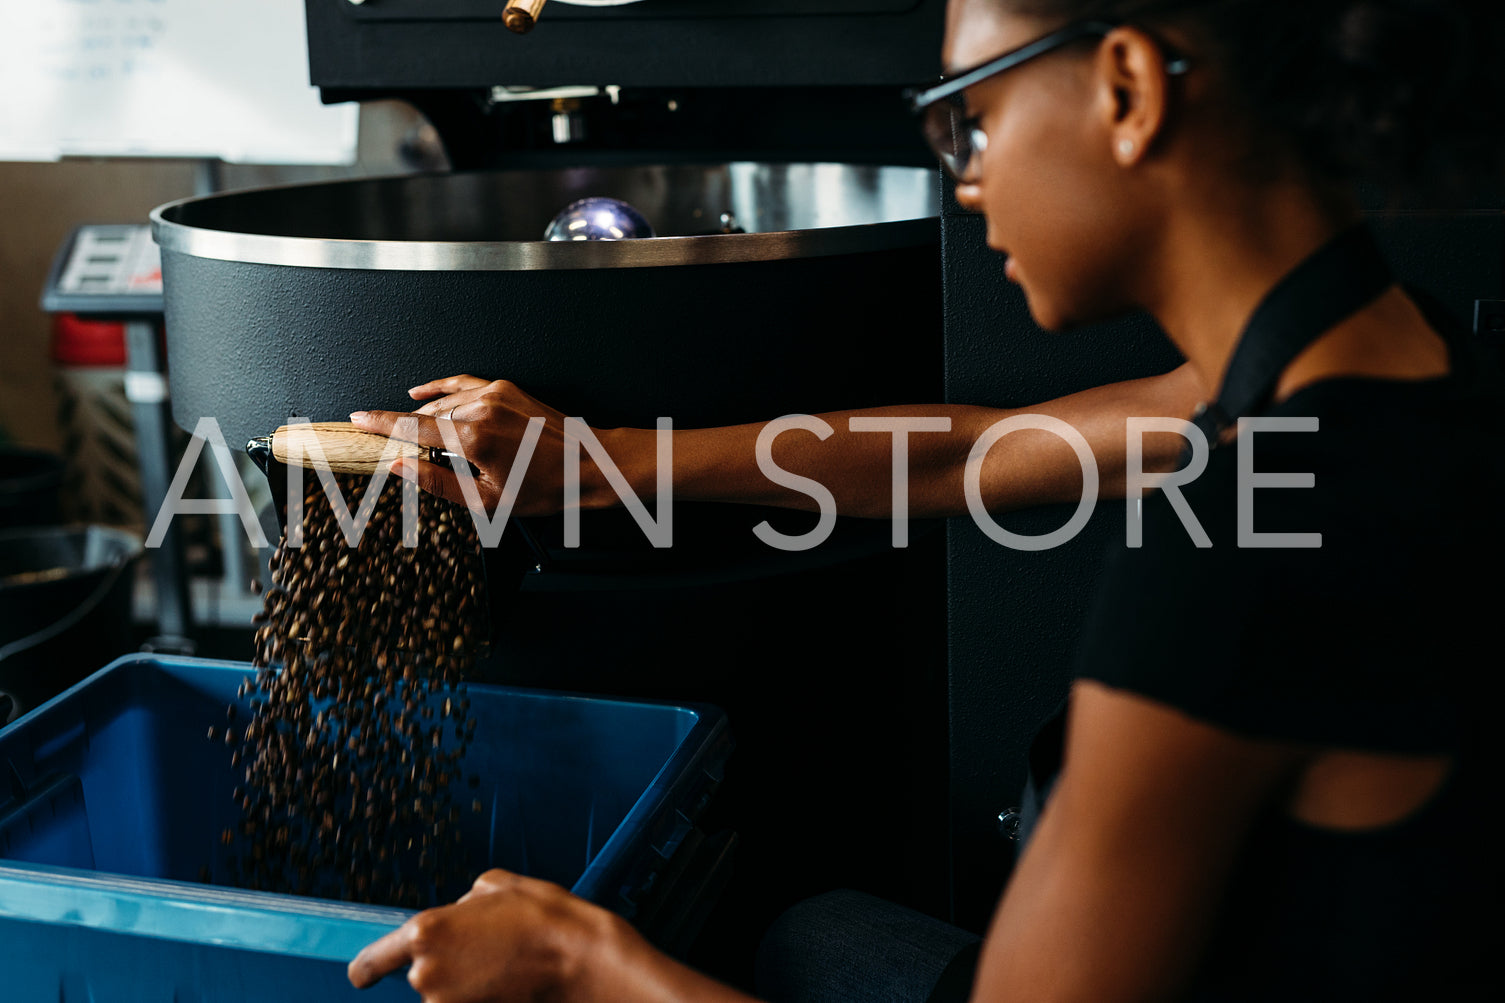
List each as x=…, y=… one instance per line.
x=1126, y=147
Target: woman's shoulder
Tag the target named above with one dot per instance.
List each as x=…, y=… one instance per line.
x=1339, y=608
x=1466, y=405
x=1318, y=579
x=1374, y=461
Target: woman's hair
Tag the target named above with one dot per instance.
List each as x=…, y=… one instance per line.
x=1404, y=93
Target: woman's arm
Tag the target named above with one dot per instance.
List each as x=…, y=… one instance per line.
x=490, y=419
x=1115, y=892
x=1027, y=467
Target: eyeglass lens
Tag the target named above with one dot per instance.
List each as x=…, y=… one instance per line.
x=949, y=133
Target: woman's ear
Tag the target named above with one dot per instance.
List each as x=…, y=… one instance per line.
x=1134, y=86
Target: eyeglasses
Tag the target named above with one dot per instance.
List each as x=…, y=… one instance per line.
x=957, y=137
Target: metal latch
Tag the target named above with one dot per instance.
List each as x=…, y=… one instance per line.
x=1489, y=318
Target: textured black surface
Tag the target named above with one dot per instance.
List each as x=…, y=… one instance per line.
x=744, y=44
x=254, y=344
x=1457, y=257
x=1014, y=616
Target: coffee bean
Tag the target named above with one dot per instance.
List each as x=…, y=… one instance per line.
x=365, y=636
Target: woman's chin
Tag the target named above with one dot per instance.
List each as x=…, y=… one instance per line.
x=1041, y=308
x=1045, y=313
x=1065, y=313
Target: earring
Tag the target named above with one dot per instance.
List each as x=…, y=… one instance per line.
x=1126, y=147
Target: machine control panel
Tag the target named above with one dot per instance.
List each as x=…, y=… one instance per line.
x=112, y=269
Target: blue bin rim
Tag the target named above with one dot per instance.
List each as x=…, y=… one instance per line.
x=184, y=911
x=193, y=913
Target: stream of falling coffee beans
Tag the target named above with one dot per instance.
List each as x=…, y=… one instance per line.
x=351, y=745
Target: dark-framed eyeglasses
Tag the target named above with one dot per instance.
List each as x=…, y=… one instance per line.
x=957, y=137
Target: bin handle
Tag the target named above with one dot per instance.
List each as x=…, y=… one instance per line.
x=69, y=619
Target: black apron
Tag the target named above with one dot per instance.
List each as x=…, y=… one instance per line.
x=1341, y=278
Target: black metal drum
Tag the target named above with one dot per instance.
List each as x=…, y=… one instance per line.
x=316, y=300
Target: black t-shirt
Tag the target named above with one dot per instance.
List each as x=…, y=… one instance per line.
x=1384, y=638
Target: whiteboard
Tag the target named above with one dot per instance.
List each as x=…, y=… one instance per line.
x=164, y=78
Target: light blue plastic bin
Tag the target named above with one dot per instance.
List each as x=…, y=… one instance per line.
x=112, y=800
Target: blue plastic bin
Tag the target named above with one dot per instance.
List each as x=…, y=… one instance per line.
x=112, y=800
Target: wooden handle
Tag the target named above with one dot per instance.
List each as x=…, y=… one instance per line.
x=339, y=446
x=521, y=15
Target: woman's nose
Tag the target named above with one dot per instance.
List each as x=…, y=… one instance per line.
x=969, y=194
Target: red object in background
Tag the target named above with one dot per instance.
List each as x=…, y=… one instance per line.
x=79, y=342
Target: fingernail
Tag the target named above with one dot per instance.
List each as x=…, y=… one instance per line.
x=357, y=415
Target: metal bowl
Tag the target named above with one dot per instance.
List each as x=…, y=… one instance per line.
x=493, y=220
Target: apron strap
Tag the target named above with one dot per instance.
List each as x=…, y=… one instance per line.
x=1337, y=281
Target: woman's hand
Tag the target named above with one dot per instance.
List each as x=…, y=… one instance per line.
x=508, y=938
x=512, y=938
x=496, y=427
x=449, y=394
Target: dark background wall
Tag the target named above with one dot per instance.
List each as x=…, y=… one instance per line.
x=1013, y=616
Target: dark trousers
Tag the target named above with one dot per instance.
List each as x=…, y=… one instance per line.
x=850, y=947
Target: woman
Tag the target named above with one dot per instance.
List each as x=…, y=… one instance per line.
x=1271, y=779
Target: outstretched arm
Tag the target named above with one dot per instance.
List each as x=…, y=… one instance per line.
x=1027, y=467
x=488, y=420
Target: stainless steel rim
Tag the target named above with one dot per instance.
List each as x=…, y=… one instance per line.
x=654, y=252
x=175, y=236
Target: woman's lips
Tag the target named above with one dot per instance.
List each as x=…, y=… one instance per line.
x=1011, y=269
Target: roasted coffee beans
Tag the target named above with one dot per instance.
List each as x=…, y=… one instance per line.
x=361, y=656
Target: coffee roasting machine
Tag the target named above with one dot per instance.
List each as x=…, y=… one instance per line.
x=816, y=261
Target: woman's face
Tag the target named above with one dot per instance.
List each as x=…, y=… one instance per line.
x=1057, y=202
